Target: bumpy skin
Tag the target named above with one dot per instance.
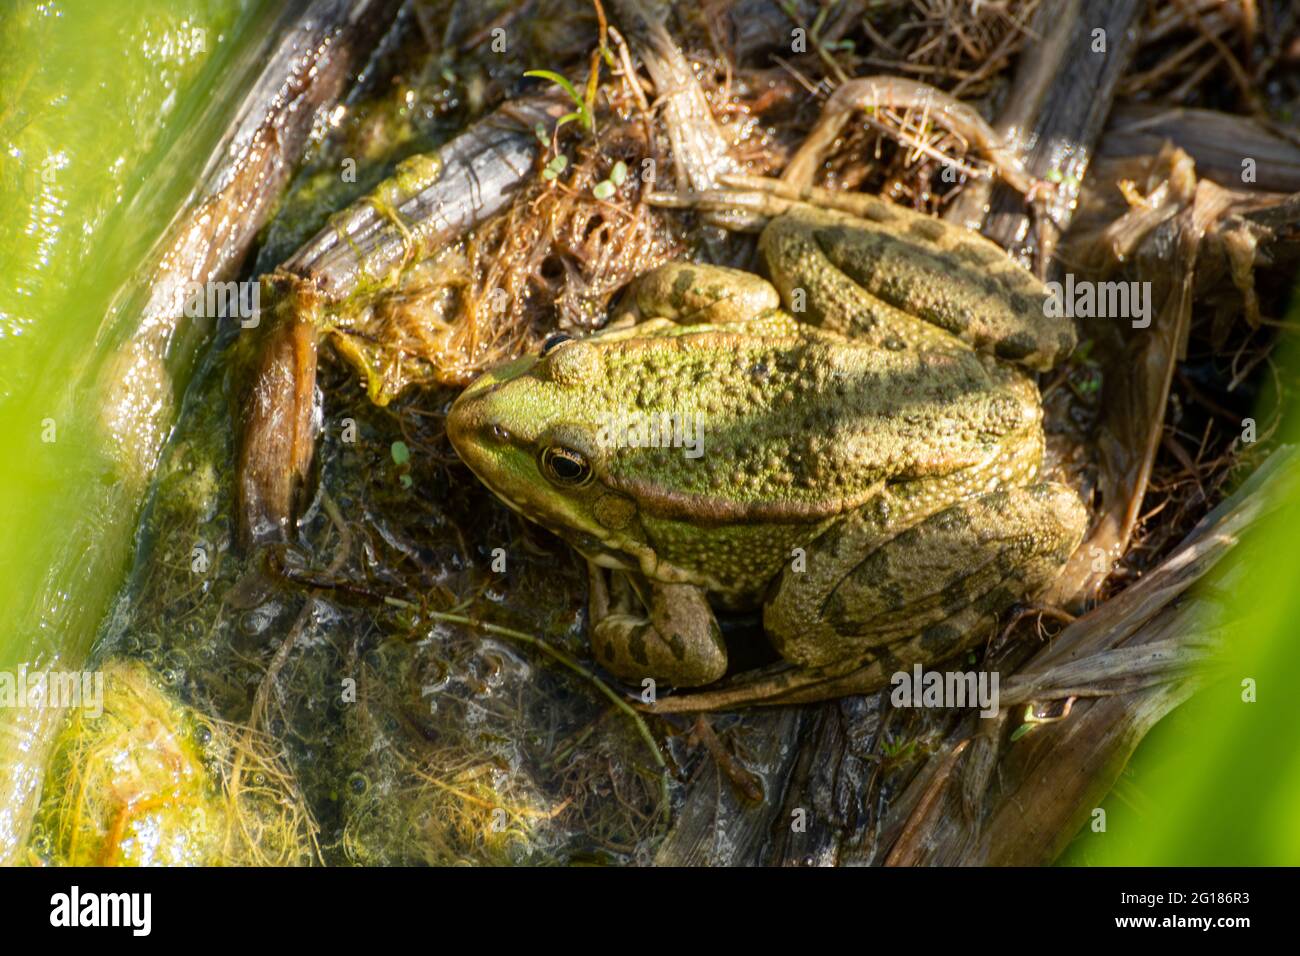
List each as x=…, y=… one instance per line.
x=867, y=468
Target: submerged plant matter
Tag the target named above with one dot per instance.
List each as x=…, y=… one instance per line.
x=151, y=782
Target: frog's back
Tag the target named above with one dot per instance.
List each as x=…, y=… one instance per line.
x=802, y=425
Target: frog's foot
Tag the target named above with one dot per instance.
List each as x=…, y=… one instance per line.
x=871, y=93
x=750, y=202
x=782, y=684
x=673, y=639
x=788, y=684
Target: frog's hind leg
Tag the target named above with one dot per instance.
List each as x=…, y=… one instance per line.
x=862, y=610
x=775, y=686
x=892, y=275
x=664, y=632
x=786, y=684
x=803, y=257
x=817, y=291
x=877, y=271
x=984, y=554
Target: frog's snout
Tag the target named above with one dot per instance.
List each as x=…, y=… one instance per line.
x=458, y=425
x=476, y=419
x=469, y=425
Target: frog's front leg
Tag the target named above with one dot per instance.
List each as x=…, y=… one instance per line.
x=867, y=605
x=666, y=632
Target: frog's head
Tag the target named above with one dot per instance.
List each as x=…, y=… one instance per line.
x=531, y=431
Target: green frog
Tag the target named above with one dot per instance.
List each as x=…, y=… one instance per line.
x=851, y=444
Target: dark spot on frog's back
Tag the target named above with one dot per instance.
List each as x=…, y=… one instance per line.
x=606, y=651
x=955, y=594
x=940, y=639
x=1022, y=303
x=957, y=321
x=953, y=520
x=1016, y=347
x=877, y=210
x=1065, y=343
x=885, y=660
x=978, y=254
x=636, y=646
x=931, y=230
x=682, y=285
x=874, y=587
x=856, y=252
x=996, y=601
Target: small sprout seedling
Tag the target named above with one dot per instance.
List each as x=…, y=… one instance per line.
x=557, y=165
x=401, y=457
x=607, y=187
x=582, y=109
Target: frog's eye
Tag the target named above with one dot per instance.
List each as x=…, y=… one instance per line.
x=554, y=341
x=565, y=467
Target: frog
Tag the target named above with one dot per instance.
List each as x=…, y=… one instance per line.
x=849, y=444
